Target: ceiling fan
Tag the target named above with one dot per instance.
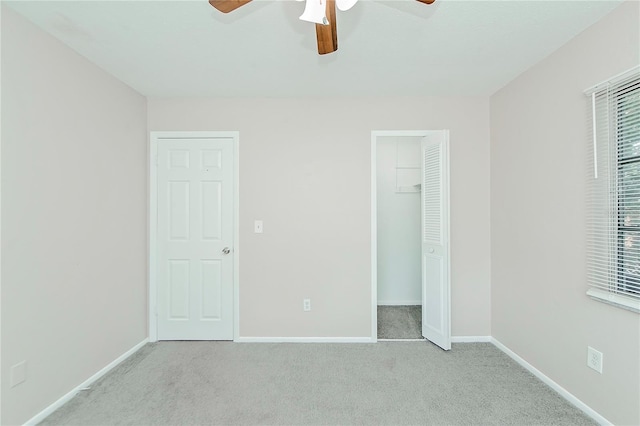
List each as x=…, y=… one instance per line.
x=320, y=12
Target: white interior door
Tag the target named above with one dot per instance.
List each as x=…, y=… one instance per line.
x=195, y=216
x=436, y=288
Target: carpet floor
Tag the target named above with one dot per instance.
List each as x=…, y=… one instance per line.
x=400, y=322
x=393, y=383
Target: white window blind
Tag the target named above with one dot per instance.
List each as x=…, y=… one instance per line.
x=613, y=220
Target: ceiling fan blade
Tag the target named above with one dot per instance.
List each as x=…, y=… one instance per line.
x=426, y=1
x=226, y=6
x=327, y=35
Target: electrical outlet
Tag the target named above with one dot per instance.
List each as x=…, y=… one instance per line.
x=18, y=373
x=258, y=227
x=306, y=305
x=594, y=359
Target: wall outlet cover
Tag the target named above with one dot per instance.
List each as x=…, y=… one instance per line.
x=594, y=359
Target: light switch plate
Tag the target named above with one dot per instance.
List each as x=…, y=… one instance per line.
x=257, y=227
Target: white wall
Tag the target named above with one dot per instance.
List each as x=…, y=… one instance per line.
x=398, y=216
x=73, y=218
x=539, y=143
x=305, y=169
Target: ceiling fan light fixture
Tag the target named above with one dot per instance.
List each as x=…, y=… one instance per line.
x=315, y=11
x=343, y=5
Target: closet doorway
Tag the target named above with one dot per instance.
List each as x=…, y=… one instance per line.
x=410, y=236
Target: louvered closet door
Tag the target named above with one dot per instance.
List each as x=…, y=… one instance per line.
x=195, y=237
x=436, y=294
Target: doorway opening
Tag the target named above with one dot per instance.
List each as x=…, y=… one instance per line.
x=398, y=175
x=410, y=236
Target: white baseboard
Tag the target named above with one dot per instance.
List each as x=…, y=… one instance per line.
x=60, y=402
x=454, y=339
x=470, y=339
x=553, y=385
x=305, y=340
x=399, y=303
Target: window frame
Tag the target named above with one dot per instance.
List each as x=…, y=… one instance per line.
x=621, y=200
x=618, y=195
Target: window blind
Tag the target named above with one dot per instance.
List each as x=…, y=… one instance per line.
x=613, y=203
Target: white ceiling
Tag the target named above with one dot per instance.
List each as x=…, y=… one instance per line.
x=385, y=48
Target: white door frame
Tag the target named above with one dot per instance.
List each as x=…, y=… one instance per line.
x=374, y=216
x=153, y=222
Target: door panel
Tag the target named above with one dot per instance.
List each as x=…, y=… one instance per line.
x=436, y=293
x=433, y=271
x=211, y=218
x=211, y=289
x=194, y=225
x=178, y=289
x=179, y=210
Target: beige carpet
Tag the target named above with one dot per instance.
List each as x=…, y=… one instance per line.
x=400, y=322
x=392, y=383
